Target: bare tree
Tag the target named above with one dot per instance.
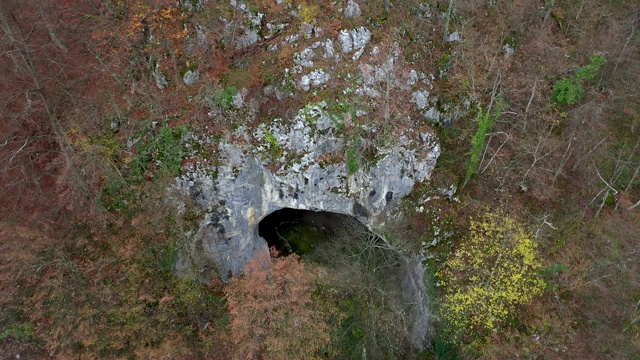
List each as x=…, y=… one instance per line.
x=380, y=273
x=43, y=71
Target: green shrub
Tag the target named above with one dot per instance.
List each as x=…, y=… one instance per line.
x=567, y=91
x=116, y=196
x=23, y=332
x=224, y=99
x=589, y=71
x=158, y=152
x=162, y=152
x=485, y=123
x=552, y=270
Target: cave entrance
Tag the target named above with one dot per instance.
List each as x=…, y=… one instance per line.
x=381, y=289
x=299, y=231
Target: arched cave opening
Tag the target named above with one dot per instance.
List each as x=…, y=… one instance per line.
x=299, y=231
x=371, y=274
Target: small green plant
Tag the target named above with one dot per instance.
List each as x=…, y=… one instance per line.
x=510, y=41
x=336, y=111
x=160, y=152
x=352, y=155
x=553, y=270
x=270, y=138
x=116, y=196
x=275, y=151
x=550, y=272
x=589, y=71
x=312, y=111
x=444, y=64
x=485, y=123
x=224, y=99
x=22, y=332
x=610, y=200
x=569, y=90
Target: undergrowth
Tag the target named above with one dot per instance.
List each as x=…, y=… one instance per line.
x=569, y=90
x=486, y=120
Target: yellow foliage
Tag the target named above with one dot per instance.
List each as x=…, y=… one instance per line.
x=308, y=13
x=165, y=14
x=494, y=270
x=104, y=146
x=164, y=23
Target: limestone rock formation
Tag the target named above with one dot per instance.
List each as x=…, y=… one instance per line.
x=355, y=137
x=247, y=186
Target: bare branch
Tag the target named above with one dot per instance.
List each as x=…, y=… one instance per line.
x=588, y=153
x=537, y=154
x=634, y=26
x=526, y=111
x=546, y=16
x=606, y=183
x=564, y=159
x=633, y=177
x=508, y=136
x=19, y=150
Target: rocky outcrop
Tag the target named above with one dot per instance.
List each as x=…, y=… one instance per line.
x=345, y=161
x=293, y=166
x=357, y=154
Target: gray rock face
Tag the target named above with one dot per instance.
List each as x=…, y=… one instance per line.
x=454, y=37
x=193, y=5
x=315, y=78
x=246, y=32
x=161, y=80
x=415, y=293
x=352, y=10
x=428, y=107
x=354, y=40
x=235, y=196
x=190, y=77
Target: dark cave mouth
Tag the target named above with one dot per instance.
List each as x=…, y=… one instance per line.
x=299, y=231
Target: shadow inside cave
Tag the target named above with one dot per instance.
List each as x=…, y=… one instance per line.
x=300, y=231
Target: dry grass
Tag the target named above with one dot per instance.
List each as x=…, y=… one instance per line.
x=590, y=310
x=105, y=293
x=90, y=292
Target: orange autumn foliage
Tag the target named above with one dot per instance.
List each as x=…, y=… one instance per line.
x=273, y=315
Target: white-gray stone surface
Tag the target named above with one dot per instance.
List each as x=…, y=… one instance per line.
x=190, y=77
x=354, y=40
x=352, y=10
x=242, y=190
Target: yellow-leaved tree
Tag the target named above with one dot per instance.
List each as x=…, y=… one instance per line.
x=494, y=270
